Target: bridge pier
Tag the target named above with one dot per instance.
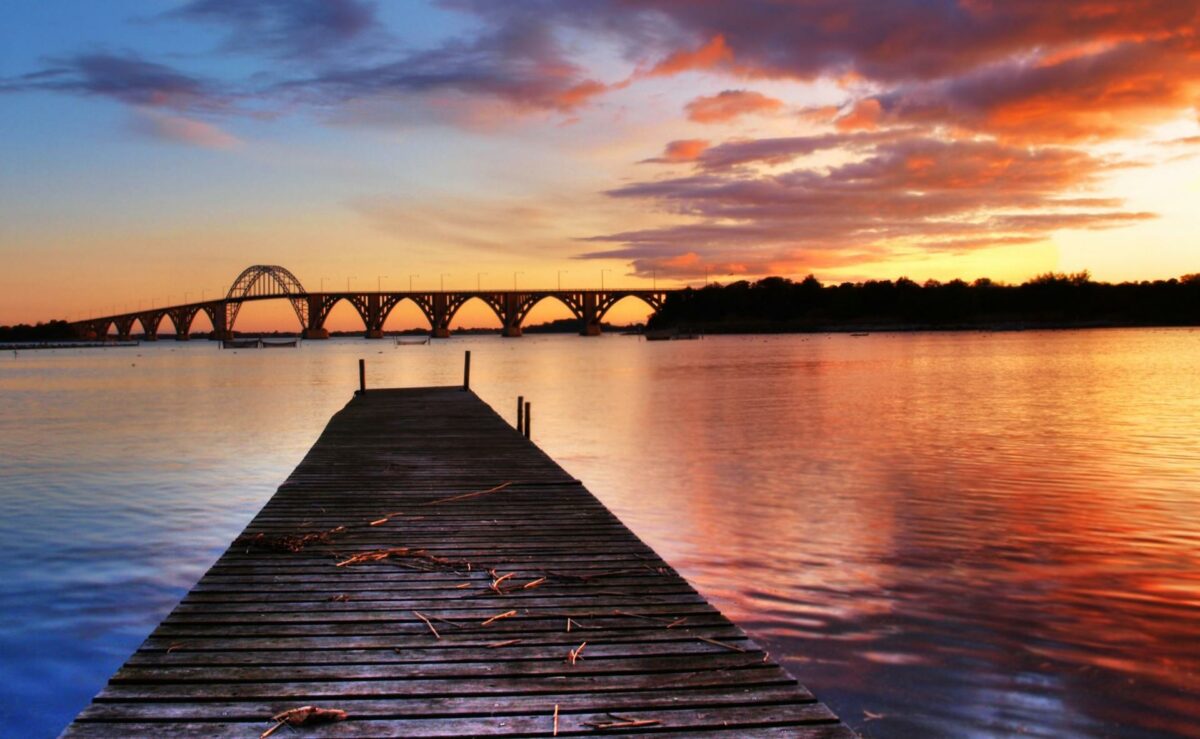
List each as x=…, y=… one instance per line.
x=440, y=320
x=591, y=315
x=374, y=333
x=181, y=337
x=512, y=331
x=319, y=332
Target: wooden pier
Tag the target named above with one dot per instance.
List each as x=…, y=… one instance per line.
x=432, y=573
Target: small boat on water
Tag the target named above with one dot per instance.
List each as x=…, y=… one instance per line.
x=277, y=343
x=418, y=341
x=240, y=343
x=860, y=333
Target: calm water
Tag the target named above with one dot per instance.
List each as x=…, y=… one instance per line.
x=957, y=535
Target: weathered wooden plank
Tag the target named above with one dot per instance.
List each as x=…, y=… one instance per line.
x=805, y=720
x=277, y=623
x=533, y=685
x=726, y=633
x=252, y=710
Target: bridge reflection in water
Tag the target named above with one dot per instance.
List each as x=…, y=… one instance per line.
x=271, y=282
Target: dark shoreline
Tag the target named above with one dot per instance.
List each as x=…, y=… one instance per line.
x=766, y=329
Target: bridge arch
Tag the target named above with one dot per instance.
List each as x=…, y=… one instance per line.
x=150, y=323
x=392, y=304
x=458, y=301
x=262, y=281
x=653, y=301
x=566, y=299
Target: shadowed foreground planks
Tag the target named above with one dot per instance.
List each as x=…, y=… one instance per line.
x=432, y=573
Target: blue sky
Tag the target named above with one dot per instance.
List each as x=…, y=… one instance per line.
x=158, y=148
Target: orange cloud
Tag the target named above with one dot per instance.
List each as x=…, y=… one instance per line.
x=730, y=104
x=712, y=54
x=864, y=116
x=904, y=195
x=682, y=150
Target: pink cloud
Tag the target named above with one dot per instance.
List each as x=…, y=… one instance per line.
x=681, y=150
x=730, y=104
x=181, y=130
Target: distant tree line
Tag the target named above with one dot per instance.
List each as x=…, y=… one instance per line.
x=49, y=331
x=1048, y=300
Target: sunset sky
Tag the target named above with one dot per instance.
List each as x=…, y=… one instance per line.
x=153, y=149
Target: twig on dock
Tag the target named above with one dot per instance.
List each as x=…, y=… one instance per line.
x=555, y=719
x=506, y=643
x=573, y=654
x=475, y=494
x=589, y=578
x=447, y=621
x=419, y=615
x=292, y=543
x=373, y=556
x=726, y=645
x=495, y=586
x=304, y=715
x=498, y=616
x=533, y=583
x=622, y=722
x=618, y=612
x=385, y=519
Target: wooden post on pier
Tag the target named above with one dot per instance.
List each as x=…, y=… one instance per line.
x=467, y=370
x=362, y=376
x=527, y=419
x=520, y=414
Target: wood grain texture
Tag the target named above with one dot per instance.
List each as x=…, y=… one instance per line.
x=430, y=571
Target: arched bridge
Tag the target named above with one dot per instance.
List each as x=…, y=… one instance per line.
x=272, y=282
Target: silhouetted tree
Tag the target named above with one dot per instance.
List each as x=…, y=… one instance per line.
x=778, y=304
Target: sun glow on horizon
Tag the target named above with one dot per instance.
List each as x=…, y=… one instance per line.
x=651, y=144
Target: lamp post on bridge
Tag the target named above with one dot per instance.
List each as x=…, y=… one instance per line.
x=515, y=279
x=602, y=277
x=442, y=280
x=561, y=272
x=478, y=282
x=323, y=283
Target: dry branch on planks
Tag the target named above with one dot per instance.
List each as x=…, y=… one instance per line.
x=304, y=715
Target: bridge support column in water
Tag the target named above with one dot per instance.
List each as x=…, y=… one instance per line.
x=591, y=318
x=440, y=319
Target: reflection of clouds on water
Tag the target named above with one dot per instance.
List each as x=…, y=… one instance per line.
x=955, y=534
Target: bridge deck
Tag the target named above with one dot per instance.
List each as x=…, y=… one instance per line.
x=280, y=622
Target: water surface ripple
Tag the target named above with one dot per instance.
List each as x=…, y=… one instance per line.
x=975, y=534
